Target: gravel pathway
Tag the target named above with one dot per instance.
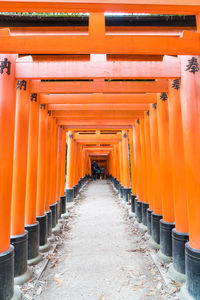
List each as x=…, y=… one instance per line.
x=102, y=256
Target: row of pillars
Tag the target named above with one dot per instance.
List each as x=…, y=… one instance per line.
x=165, y=160
x=32, y=180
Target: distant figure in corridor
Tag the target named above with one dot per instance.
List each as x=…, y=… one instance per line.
x=103, y=170
x=94, y=170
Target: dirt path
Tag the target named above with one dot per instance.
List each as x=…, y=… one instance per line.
x=102, y=256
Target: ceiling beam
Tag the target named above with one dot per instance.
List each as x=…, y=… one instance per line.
x=99, y=86
x=98, y=67
x=97, y=98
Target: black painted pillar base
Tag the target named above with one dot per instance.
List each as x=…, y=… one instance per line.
x=44, y=245
x=178, y=250
x=121, y=191
x=138, y=210
x=126, y=194
x=69, y=195
x=149, y=213
x=63, y=204
x=57, y=211
x=192, y=266
x=166, y=238
x=34, y=256
x=133, y=197
x=7, y=274
x=21, y=271
x=155, y=227
x=53, y=212
x=49, y=223
x=145, y=206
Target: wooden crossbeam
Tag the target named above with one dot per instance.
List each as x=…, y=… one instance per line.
x=131, y=6
x=98, y=67
x=188, y=44
x=98, y=86
x=98, y=98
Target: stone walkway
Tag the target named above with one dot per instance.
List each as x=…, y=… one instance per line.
x=102, y=256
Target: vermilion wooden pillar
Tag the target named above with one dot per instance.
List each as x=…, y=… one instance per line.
x=126, y=167
x=62, y=181
x=19, y=236
x=167, y=223
x=149, y=168
x=7, y=123
x=138, y=171
x=121, y=169
x=48, y=210
x=70, y=162
x=132, y=158
x=145, y=204
x=180, y=232
x=53, y=172
x=156, y=216
x=59, y=166
x=41, y=178
x=74, y=169
x=190, y=106
x=32, y=226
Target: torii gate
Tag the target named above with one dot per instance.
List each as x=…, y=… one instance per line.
x=161, y=125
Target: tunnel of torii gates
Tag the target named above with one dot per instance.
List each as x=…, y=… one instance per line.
x=127, y=97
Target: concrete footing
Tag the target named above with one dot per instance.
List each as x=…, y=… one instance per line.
x=19, y=280
x=153, y=245
x=142, y=228
x=176, y=276
x=17, y=294
x=163, y=258
x=35, y=260
x=184, y=294
x=45, y=248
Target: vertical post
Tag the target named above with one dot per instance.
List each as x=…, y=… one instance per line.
x=62, y=183
x=69, y=179
x=121, y=170
x=32, y=226
x=145, y=204
x=19, y=236
x=149, y=169
x=180, y=232
x=138, y=170
x=156, y=216
x=41, y=179
x=126, y=167
x=59, y=165
x=48, y=211
x=190, y=99
x=167, y=222
x=7, y=126
x=53, y=203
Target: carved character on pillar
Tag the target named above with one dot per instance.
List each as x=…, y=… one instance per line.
x=70, y=136
x=154, y=105
x=193, y=65
x=5, y=64
x=163, y=96
x=33, y=97
x=176, y=84
x=125, y=135
x=49, y=113
x=148, y=112
x=138, y=121
x=21, y=84
x=42, y=106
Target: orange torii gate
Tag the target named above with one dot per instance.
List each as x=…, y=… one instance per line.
x=165, y=165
